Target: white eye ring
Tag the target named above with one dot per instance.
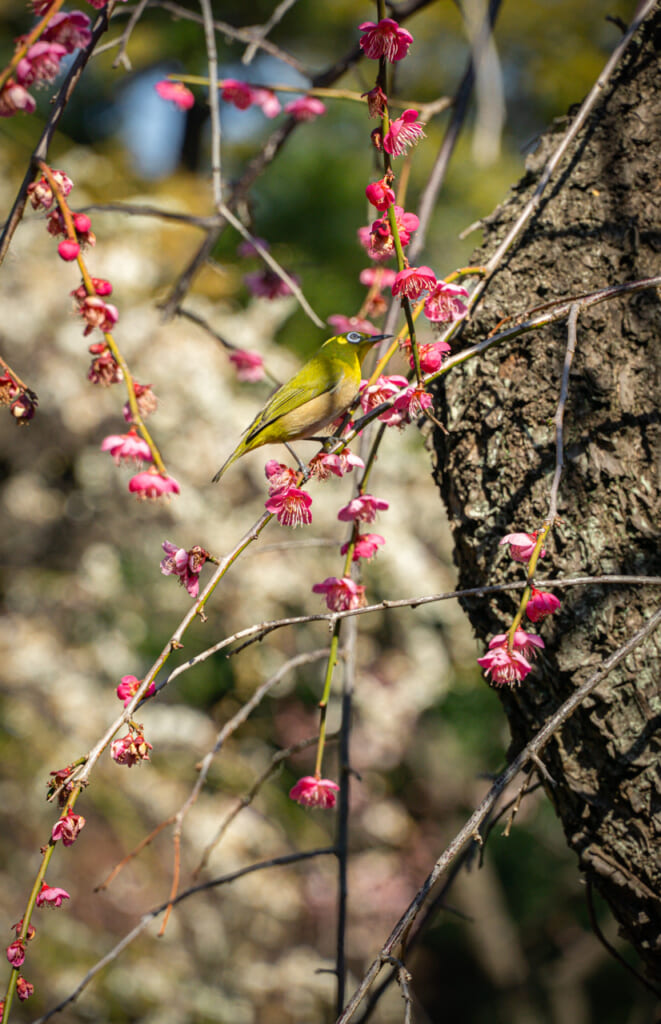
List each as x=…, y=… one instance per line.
x=354, y=337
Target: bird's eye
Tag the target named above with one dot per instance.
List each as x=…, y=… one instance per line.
x=354, y=337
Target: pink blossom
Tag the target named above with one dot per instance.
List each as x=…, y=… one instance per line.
x=104, y=369
x=523, y=643
x=129, y=686
x=444, y=303
x=24, y=989
x=404, y=132
x=380, y=195
x=345, y=324
x=247, y=249
x=366, y=545
x=291, y=506
x=505, y=666
x=18, y=928
x=362, y=509
x=146, y=399
x=41, y=194
x=413, y=281
x=249, y=365
x=377, y=101
x=129, y=750
x=187, y=565
x=379, y=276
x=339, y=463
x=71, y=30
x=238, y=93
x=384, y=389
x=430, y=355
x=268, y=102
x=151, y=484
x=385, y=39
x=279, y=476
x=267, y=284
x=175, y=92
x=51, y=896
x=379, y=241
x=16, y=953
x=24, y=406
x=97, y=313
x=411, y=404
x=68, y=250
x=41, y=63
x=127, y=447
x=541, y=604
x=341, y=594
x=521, y=545
x=313, y=792
x=68, y=828
x=307, y=108
x=14, y=99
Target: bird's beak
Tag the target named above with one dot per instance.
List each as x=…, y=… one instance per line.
x=380, y=337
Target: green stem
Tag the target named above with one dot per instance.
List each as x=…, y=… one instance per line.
x=525, y=597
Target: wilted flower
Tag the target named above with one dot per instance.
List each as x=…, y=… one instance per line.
x=376, y=101
x=16, y=953
x=146, y=399
x=339, y=463
x=187, y=565
x=14, y=99
x=68, y=828
x=130, y=749
x=24, y=989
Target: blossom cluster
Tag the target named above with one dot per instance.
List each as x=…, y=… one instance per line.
x=508, y=659
x=243, y=95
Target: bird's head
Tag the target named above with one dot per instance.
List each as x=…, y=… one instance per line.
x=355, y=341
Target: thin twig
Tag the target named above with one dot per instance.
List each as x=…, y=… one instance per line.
x=470, y=829
x=214, y=105
x=260, y=32
x=289, y=858
x=342, y=831
x=123, y=57
x=452, y=132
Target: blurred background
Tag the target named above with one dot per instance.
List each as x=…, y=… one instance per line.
x=84, y=601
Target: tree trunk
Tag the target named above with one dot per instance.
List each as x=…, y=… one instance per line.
x=598, y=226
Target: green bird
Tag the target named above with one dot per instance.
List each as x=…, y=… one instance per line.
x=321, y=391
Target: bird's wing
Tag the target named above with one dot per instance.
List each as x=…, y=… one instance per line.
x=290, y=396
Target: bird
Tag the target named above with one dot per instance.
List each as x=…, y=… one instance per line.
x=321, y=391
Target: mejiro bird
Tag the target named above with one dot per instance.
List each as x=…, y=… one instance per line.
x=321, y=391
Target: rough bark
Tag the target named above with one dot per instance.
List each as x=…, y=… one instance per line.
x=599, y=225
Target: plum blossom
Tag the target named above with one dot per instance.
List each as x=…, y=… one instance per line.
x=125, y=448
x=129, y=750
x=68, y=828
x=311, y=791
x=523, y=643
x=51, y=896
x=70, y=29
x=41, y=194
x=129, y=686
x=267, y=101
x=411, y=404
x=380, y=195
x=238, y=93
x=362, y=509
x=97, y=313
x=41, y=63
x=267, y=284
x=15, y=99
x=404, y=132
x=279, y=476
x=24, y=989
x=291, y=506
x=186, y=565
x=505, y=667
x=341, y=594
x=16, y=953
x=444, y=303
x=151, y=484
x=146, y=399
x=339, y=463
x=378, y=239
x=366, y=545
x=307, y=108
x=521, y=545
x=68, y=250
x=249, y=365
x=104, y=369
x=413, y=281
x=175, y=92
x=541, y=604
x=380, y=276
x=247, y=248
x=385, y=388
x=385, y=39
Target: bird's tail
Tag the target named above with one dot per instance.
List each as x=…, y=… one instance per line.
x=228, y=462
